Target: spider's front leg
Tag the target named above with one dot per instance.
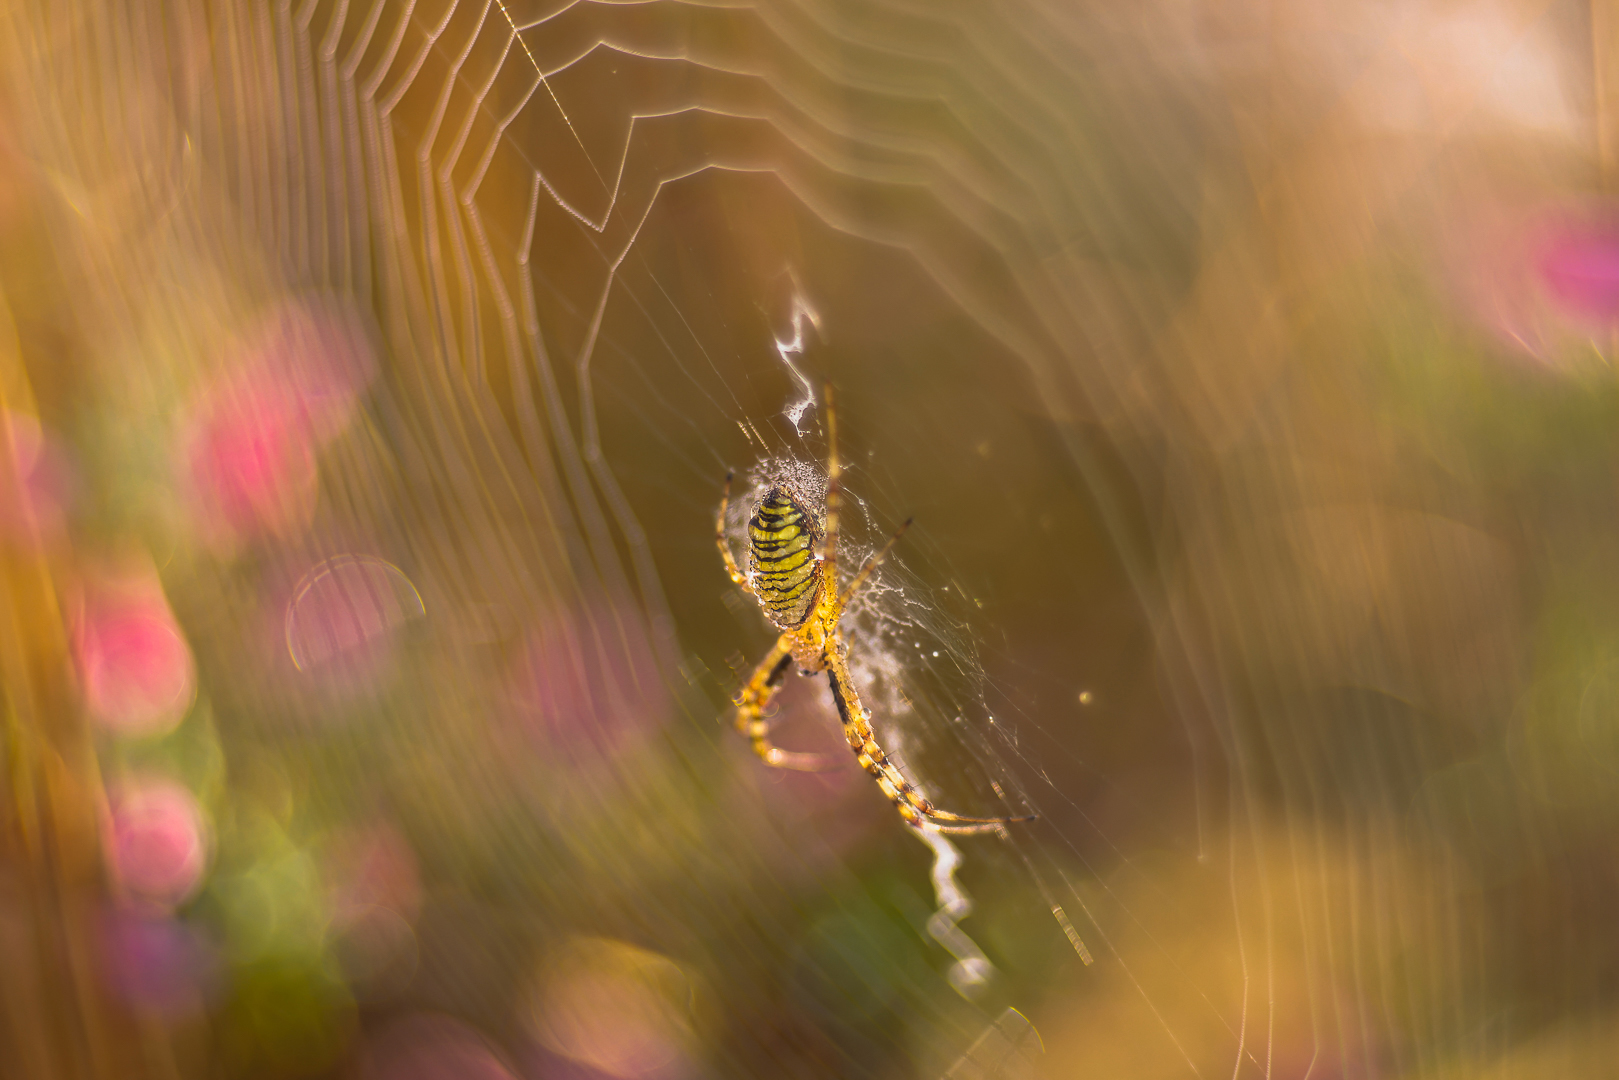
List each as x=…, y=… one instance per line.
x=737, y=576
x=750, y=718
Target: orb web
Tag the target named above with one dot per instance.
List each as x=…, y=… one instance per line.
x=1098, y=329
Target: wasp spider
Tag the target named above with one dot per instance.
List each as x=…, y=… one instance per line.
x=793, y=573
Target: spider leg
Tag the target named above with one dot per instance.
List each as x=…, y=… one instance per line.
x=751, y=722
x=912, y=805
x=724, y=545
x=834, y=507
x=834, y=491
x=865, y=571
x=972, y=830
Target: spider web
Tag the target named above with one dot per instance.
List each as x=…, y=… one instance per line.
x=604, y=252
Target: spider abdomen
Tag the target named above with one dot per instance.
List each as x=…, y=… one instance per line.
x=781, y=554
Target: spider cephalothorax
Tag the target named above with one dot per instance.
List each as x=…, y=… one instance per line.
x=792, y=572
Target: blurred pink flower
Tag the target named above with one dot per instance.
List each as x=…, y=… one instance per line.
x=371, y=867
x=157, y=841
x=586, y=694
x=251, y=443
x=320, y=354
x=136, y=668
x=251, y=463
x=1542, y=280
x=1580, y=269
x=374, y=897
x=157, y=963
x=343, y=619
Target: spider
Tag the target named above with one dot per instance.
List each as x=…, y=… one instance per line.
x=793, y=574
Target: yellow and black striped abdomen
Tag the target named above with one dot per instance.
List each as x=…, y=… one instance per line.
x=781, y=554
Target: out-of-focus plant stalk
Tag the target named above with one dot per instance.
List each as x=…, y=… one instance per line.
x=55, y=1017
x=1605, y=103
x=51, y=881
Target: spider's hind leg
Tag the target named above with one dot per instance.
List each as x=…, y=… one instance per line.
x=750, y=719
x=912, y=805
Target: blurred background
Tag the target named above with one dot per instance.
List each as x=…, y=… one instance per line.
x=369, y=372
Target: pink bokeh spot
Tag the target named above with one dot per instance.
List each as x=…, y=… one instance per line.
x=1580, y=270
x=321, y=357
x=374, y=897
x=157, y=963
x=252, y=441
x=252, y=464
x=585, y=696
x=344, y=617
x=137, y=669
x=1541, y=279
x=156, y=841
x=372, y=867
